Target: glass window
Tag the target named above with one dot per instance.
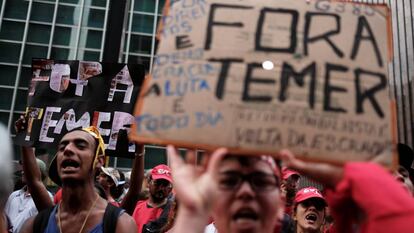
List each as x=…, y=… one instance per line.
x=94, y=17
x=68, y=15
x=25, y=76
x=70, y=1
x=4, y=118
x=140, y=60
x=161, y=6
x=6, y=96
x=42, y=12
x=8, y=75
x=142, y=23
x=38, y=33
x=156, y=155
x=16, y=9
x=34, y=51
x=15, y=117
x=64, y=36
x=93, y=39
x=99, y=2
x=10, y=52
x=59, y=54
x=145, y=5
x=89, y=56
x=153, y=157
x=12, y=30
x=21, y=100
x=140, y=44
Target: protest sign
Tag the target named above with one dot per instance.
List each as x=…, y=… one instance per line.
x=64, y=95
x=258, y=76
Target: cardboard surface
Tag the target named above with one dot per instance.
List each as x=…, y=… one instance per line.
x=324, y=93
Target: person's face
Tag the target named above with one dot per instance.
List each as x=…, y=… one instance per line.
x=241, y=207
x=159, y=189
x=104, y=180
x=291, y=186
x=292, y=183
x=309, y=215
x=75, y=156
x=403, y=176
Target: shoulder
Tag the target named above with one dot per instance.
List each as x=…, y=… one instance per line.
x=28, y=225
x=126, y=224
x=140, y=205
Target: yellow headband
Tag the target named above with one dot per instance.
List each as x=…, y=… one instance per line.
x=100, y=148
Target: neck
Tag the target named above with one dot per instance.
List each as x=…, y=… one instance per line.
x=302, y=230
x=156, y=204
x=74, y=197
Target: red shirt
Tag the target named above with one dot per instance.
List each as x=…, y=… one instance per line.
x=58, y=196
x=143, y=213
x=387, y=206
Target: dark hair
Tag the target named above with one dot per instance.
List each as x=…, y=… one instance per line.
x=165, y=221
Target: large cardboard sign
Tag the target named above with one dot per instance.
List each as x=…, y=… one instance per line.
x=257, y=76
x=65, y=95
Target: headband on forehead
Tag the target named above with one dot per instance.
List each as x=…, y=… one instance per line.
x=100, y=147
x=100, y=150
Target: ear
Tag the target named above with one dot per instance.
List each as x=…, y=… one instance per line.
x=283, y=188
x=100, y=161
x=294, y=213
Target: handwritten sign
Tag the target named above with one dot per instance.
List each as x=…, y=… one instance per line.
x=65, y=95
x=259, y=76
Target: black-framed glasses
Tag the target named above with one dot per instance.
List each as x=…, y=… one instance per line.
x=258, y=181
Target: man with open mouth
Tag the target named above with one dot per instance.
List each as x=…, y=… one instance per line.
x=309, y=210
x=81, y=209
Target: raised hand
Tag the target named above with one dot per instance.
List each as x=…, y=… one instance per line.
x=195, y=186
x=326, y=174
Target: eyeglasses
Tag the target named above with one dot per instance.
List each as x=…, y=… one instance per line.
x=319, y=204
x=161, y=183
x=259, y=181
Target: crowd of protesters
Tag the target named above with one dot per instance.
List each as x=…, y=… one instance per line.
x=223, y=193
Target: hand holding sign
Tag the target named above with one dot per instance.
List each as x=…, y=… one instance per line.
x=326, y=96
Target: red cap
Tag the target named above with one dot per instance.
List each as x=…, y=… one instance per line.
x=286, y=173
x=161, y=171
x=307, y=193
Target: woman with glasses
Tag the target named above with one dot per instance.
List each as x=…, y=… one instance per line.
x=242, y=194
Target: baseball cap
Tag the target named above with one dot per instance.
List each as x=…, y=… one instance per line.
x=100, y=149
x=161, y=171
x=286, y=173
x=307, y=193
x=113, y=173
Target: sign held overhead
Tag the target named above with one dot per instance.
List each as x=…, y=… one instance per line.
x=259, y=76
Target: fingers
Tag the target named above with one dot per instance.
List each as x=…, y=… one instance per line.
x=176, y=160
x=191, y=157
x=204, y=161
x=215, y=160
x=180, y=178
x=20, y=124
x=290, y=161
